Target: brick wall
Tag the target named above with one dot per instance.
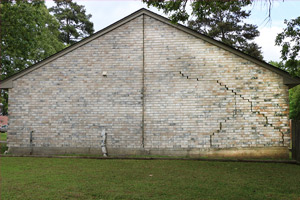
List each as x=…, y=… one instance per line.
x=68, y=102
x=200, y=96
x=164, y=90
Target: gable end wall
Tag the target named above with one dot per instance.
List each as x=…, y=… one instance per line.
x=166, y=92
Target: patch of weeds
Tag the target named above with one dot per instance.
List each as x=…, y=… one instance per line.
x=3, y=148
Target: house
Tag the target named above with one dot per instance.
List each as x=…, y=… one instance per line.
x=146, y=86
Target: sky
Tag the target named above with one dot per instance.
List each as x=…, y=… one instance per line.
x=105, y=13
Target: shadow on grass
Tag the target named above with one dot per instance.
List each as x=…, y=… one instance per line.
x=158, y=157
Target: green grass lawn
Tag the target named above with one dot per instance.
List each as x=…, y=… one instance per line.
x=3, y=136
x=3, y=147
x=54, y=178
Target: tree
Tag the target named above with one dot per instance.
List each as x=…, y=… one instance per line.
x=28, y=35
x=221, y=20
x=178, y=13
x=74, y=22
x=289, y=39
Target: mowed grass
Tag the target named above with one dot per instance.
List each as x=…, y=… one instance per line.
x=3, y=146
x=54, y=178
x=3, y=136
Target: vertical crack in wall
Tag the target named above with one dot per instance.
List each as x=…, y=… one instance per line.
x=210, y=139
x=251, y=108
x=235, y=110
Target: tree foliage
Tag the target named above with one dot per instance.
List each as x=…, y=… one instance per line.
x=28, y=35
x=289, y=40
x=75, y=24
x=221, y=20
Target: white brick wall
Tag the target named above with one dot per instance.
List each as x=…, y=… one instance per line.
x=197, y=96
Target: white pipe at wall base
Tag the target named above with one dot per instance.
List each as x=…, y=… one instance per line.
x=103, y=143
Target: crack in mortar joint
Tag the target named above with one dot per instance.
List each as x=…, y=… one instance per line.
x=251, y=104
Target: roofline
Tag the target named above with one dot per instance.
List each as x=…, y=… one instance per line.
x=287, y=78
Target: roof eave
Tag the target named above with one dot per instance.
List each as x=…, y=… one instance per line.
x=8, y=84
